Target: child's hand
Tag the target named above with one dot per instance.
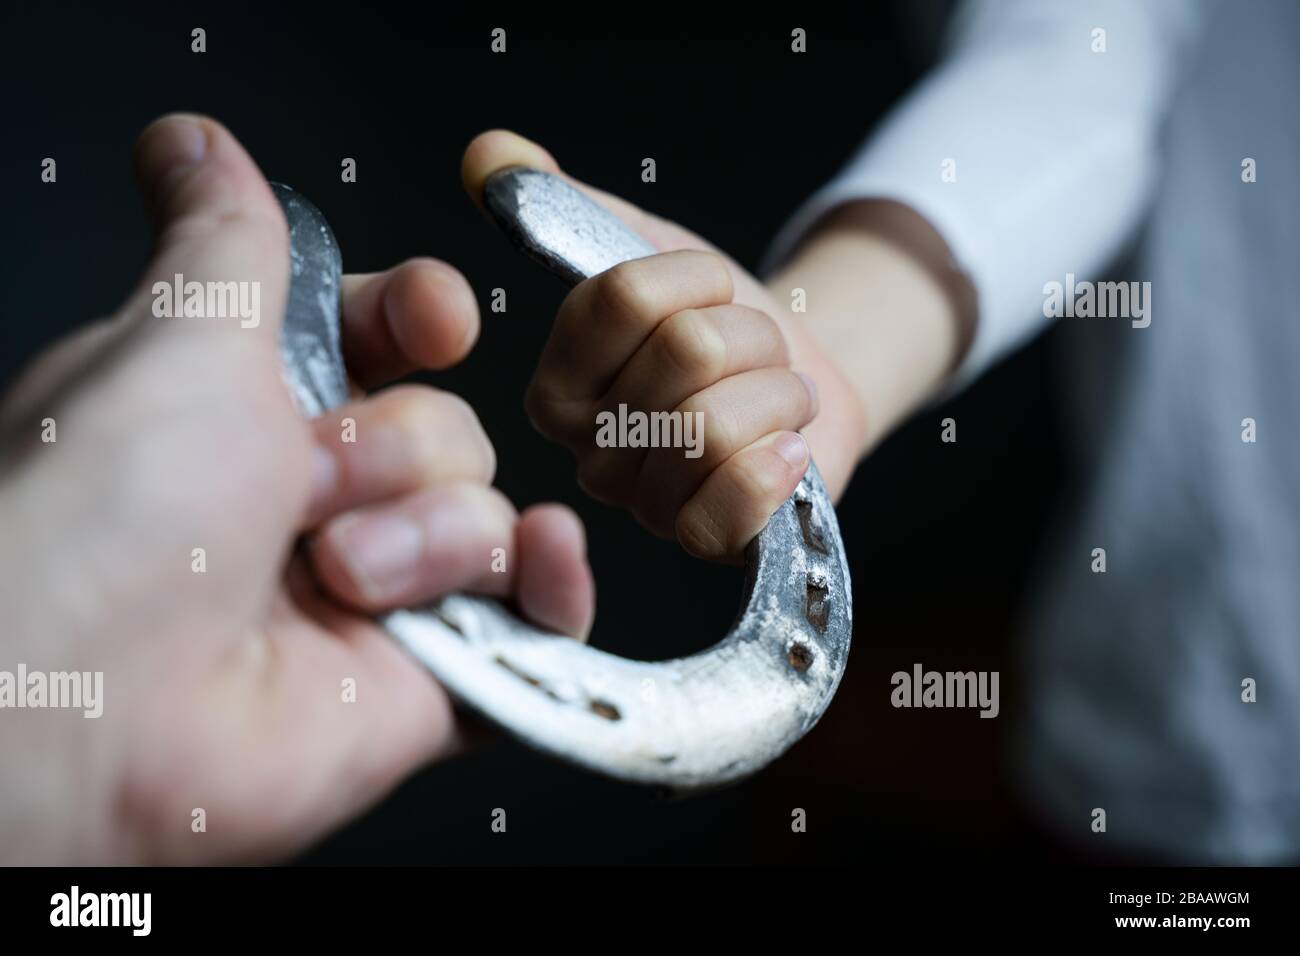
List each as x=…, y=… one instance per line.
x=687, y=331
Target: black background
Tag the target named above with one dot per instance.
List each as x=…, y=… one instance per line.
x=942, y=538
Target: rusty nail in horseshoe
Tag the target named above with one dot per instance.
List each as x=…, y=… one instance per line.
x=693, y=722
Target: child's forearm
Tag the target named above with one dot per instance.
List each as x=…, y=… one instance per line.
x=885, y=305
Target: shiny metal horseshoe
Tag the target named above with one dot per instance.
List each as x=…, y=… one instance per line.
x=687, y=723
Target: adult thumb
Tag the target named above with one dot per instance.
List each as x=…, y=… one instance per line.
x=216, y=222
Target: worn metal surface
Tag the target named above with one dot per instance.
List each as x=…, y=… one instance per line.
x=686, y=723
x=310, y=349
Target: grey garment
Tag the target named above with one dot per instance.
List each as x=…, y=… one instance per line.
x=1136, y=674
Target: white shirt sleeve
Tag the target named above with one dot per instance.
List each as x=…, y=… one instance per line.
x=1053, y=146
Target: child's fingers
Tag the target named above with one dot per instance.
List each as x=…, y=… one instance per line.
x=618, y=342
x=394, y=443
x=727, y=417
x=736, y=500
x=686, y=353
x=692, y=349
x=605, y=319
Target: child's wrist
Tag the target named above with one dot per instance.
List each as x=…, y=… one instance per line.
x=884, y=305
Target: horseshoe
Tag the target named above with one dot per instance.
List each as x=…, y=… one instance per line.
x=689, y=723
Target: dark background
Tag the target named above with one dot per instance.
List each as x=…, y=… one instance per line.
x=942, y=538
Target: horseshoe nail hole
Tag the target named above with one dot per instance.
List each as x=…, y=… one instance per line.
x=817, y=605
x=811, y=536
x=603, y=708
x=454, y=626
x=527, y=678
x=800, y=656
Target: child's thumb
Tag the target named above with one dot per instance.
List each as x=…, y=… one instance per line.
x=500, y=149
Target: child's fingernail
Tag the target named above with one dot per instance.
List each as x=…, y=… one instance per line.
x=380, y=551
x=792, y=447
x=809, y=384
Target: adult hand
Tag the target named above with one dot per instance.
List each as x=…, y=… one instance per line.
x=228, y=728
